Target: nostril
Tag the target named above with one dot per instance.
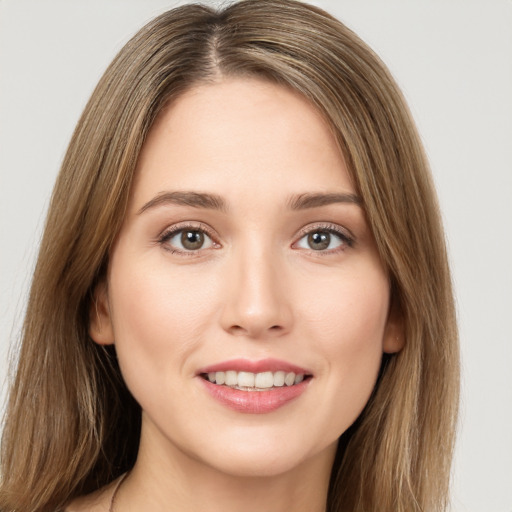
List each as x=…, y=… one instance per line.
x=240, y=330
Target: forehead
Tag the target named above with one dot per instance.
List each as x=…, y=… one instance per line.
x=240, y=134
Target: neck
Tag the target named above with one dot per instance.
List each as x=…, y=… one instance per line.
x=168, y=478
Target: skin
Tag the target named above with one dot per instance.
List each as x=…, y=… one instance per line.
x=257, y=290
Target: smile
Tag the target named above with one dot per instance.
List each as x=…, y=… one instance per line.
x=255, y=387
x=248, y=381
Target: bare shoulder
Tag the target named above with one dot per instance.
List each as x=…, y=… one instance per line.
x=98, y=501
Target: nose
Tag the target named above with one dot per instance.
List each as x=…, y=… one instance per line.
x=258, y=301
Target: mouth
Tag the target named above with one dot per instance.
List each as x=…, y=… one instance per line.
x=249, y=381
x=255, y=387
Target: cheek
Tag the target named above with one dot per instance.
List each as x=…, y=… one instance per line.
x=349, y=312
x=158, y=318
x=352, y=342
x=348, y=325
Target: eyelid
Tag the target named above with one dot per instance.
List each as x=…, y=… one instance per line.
x=345, y=234
x=172, y=230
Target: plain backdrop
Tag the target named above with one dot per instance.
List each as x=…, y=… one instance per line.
x=453, y=59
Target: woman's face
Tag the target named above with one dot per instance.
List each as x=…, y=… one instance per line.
x=244, y=260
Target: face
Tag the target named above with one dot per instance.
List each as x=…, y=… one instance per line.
x=245, y=295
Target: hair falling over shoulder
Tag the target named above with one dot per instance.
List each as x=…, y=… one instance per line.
x=71, y=425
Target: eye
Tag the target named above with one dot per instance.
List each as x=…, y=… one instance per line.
x=324, y=239
x=186, y=240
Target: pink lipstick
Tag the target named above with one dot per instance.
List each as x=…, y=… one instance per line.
x=254, y=387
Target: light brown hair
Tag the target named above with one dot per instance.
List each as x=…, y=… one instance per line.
x=71, y=425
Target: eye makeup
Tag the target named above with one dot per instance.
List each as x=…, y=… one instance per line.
x=193, y=238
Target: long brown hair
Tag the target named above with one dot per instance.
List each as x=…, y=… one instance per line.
x=71, y=425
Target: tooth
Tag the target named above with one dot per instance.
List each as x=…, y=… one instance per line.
x=231, y=378
x=279, y=379
x=264, y=380
x=289, y=379
x=246, y=379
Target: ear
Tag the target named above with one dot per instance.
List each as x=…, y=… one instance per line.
x=394, y=338
x=100, y=322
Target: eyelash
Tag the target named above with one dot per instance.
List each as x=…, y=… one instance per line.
x=347, y=240
x=168, y=234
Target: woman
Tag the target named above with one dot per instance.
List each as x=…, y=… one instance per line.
x=242, y=296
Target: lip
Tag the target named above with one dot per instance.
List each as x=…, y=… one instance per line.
x=254, y=402
x=247, y=365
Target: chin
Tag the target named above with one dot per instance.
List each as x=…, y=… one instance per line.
x=256, y=466
x=265, y=456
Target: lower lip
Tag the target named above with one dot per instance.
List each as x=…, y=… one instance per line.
x=255, y=402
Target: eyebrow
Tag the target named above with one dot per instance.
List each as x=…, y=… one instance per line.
x=314, y=200
x=194, y=199
x=215, y=202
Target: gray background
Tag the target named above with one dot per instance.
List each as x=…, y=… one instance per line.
x=453, y=59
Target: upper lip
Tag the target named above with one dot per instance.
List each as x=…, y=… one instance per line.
x=247, y=365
